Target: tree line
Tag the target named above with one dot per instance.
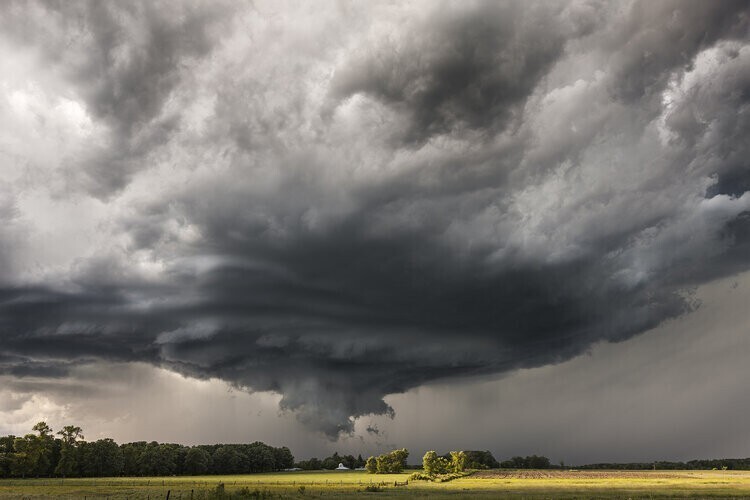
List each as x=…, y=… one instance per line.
x=66, y=453
x=529, y=462
x=330, y=463
x=719, y=464
x=44, y=453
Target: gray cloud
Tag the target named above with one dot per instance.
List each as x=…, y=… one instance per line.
x=125, y=61
x=462, y=68
x=655, y=38
x=352, y=207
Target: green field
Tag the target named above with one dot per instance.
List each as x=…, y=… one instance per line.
x=487, y=484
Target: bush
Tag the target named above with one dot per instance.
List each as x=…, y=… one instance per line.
x=444, y=478
x=220, y=493
x=438, y=478
x=246, y=493
x=420, y=476
x=373, y=489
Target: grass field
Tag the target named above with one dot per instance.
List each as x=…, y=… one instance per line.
x=485, y=484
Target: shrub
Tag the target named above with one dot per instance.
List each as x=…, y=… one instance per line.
x=438, y=478
x=420, y=476
x=220, y=493
x=444, y=478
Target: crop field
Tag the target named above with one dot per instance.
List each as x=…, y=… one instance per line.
x=526, y=484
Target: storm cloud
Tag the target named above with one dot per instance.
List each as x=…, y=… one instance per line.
x=344, y=201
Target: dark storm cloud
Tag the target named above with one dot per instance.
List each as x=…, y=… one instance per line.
x=657, y=37
x=462, y=68
x=125, y=61
x=459, y=190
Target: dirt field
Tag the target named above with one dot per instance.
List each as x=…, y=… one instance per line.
x=585, y=474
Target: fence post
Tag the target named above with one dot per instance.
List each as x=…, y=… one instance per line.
x=168, y=492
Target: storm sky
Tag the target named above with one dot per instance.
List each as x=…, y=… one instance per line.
x=516, y=226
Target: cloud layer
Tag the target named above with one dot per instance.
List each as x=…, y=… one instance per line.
x=346, y=203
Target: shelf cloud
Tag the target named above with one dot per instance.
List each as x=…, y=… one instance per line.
x=337, y=202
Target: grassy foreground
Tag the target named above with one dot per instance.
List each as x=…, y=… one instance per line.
x=487, y=484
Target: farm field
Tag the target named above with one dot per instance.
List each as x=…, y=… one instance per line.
x=527, y=484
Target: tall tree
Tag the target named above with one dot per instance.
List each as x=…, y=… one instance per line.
x=70, y=434
x=68, y=463
x=43, y=429
x=45, y=444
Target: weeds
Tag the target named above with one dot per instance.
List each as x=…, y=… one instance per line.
x=220, y=493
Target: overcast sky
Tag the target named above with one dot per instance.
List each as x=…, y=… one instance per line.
x=516, y=226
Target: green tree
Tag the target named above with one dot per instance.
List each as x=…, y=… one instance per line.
x=393, y=462
x=6, y=455
x=332, y=462
x=68, y=463
x=71, y=434
x=536, y=462
x=371, y=465
x=283, y=458
x=31, y=457
x=228, y=459
x=157, y=460
x=102, y=458
x=131, y=453
x=43, y=429
x=197, y=461
x=349, y=461
x=45, y=443
x=24, y=459
x=476, y=459
x=458, y=461
x=312, y=464
x=429, y=461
